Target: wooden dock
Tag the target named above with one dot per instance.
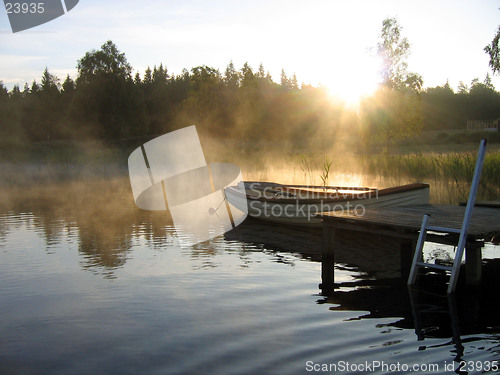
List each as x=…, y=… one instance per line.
x=404, y=223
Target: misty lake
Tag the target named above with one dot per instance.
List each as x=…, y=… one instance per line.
x=89, y=284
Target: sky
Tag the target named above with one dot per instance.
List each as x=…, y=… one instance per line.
x=327, y=42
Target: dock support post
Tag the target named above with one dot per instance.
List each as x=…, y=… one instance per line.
x=473, y=262
x=328, y=260
x=407, y=252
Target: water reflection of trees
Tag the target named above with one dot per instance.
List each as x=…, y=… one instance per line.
x=100, y=215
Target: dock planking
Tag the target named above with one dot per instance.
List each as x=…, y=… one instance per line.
x=485, y=220
x=404, y=222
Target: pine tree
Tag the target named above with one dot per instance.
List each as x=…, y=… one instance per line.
x=68, y=86
x=294, y=85
x=285, y=83
x=148, y=76
x=50, y=83
x=4, y=94
x=160, y=75
x=488, y=83
x=231, y=77
x=26, y=90
x=261, y=73
x=247, y=75
x=462, y=88
x=137, y=79
x=35, y=88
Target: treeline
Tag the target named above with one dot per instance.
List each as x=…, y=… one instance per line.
x=107, y=102
x=443, y=108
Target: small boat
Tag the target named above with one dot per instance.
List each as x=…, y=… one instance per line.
x=302, y=204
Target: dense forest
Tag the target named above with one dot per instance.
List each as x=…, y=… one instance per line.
x=107, y=102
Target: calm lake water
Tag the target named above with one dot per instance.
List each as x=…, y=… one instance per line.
x=91, y=285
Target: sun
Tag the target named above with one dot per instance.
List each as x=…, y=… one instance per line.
x=351, y=83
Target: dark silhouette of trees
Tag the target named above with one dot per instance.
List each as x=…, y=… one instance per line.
x=10, y=130
x=106, y=62
x=231, y=77
x=109, y=103
x=440, y=108
x=106, y=101
x=484, y=102
x=443, y=109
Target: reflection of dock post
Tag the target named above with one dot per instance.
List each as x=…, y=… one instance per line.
x=455, y=327
x=328, y=259
x=417, y=321
x=473, y=262
x=407, y=251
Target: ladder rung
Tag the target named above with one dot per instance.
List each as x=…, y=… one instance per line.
x=463, y=231
x=434, y=265
x=443, y=229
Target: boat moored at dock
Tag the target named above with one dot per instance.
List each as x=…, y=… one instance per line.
x=301, y=204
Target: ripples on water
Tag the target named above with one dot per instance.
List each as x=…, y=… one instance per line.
x=90, y=285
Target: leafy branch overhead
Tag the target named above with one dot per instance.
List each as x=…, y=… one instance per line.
x=493, y=50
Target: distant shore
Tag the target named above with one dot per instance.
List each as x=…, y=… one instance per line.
x=443, y=159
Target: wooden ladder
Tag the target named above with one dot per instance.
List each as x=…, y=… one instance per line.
x=418, y=257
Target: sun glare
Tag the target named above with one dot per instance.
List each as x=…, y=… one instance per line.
x=351, y=83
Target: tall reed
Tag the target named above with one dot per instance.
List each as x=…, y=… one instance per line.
x=451, y=172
